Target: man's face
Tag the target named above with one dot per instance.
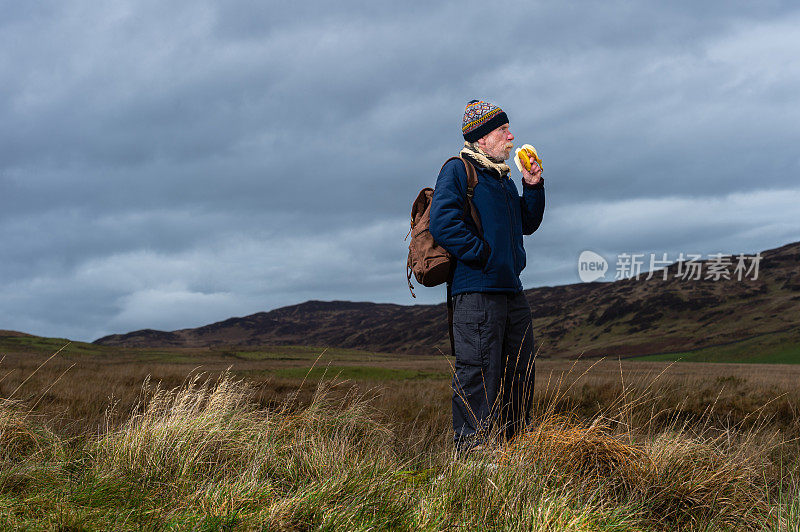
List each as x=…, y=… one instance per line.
x=498, y=143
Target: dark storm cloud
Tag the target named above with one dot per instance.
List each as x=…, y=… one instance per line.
x=166, y=165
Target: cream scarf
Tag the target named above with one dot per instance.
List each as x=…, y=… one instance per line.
x=479, y=157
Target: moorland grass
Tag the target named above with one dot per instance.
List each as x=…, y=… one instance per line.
x=359, y=373
x=208, y=455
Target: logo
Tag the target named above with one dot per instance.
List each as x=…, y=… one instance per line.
x=591, y=266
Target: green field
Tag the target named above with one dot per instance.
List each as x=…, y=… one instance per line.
x=40, y=344
x=775, y=348
x=69, y=349
x=772, y=348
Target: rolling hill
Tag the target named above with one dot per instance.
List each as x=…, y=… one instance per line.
x=626, y=318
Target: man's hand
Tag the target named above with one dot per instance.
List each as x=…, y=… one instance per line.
x=534, y=176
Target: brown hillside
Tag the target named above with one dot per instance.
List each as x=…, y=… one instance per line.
x=622, y=318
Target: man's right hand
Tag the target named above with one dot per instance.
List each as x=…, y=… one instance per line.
x=534, y=176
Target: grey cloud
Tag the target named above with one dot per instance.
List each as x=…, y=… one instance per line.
x=161, y=134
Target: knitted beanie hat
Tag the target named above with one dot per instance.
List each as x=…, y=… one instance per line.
x=481, y=118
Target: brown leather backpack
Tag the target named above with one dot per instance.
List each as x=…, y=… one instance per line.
x=430, y=263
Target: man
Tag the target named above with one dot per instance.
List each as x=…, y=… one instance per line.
x=493, y=336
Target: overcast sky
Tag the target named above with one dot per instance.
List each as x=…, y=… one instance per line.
x=170, y=164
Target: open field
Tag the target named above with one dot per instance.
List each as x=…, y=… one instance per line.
x=773, y=348
x=80, y=381
x=362, y=441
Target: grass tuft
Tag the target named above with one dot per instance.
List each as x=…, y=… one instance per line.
x=208, y=455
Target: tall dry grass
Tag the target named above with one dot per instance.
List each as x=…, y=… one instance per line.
x=208, y=454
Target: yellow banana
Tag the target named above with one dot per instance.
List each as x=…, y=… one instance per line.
x=525, y=159
x=524, y=155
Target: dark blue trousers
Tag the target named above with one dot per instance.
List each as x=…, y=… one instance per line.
x=494, y=370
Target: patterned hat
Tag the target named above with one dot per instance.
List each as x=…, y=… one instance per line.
x=481, y=118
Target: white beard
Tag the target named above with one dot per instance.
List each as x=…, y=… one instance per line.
x=477, y=148
x=473, y=151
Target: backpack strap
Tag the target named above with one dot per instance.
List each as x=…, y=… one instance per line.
x=472, y=182
x=408, y=278
x=450, y=320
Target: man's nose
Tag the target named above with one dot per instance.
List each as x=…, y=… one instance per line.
x=510, y=136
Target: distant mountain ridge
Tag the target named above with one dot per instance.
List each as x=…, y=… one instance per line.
x=628, y=317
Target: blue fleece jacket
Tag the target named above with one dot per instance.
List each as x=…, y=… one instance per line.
x=491, y=263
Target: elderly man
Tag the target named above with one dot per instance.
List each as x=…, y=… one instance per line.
x=493, y=336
